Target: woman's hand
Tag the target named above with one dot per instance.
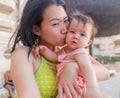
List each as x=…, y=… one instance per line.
x=67, y=87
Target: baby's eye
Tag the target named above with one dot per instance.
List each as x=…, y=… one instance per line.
x=82, y=34
x=72, y=32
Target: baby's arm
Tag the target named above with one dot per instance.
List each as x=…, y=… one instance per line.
x=85, y=66
x=47, y=53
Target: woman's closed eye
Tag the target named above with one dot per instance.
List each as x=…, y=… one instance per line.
x=66, y=21
x=56, y=24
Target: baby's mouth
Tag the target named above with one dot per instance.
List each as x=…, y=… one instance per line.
x=74, y=42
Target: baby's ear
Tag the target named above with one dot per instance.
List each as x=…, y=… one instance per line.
x=36, y=30
x=90, y=42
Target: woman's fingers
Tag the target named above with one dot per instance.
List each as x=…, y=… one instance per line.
x=73, y=91
x=60, y=92
x=80, y=90
x=67, y=91
x=67, y=81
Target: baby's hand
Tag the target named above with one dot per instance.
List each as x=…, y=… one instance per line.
x=36, y=52
x=92, y=93
x=39, y=50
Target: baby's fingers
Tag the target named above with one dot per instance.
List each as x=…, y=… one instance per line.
x=36, y=52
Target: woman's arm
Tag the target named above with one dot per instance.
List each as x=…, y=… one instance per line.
x=102, y=73
x=23, y=74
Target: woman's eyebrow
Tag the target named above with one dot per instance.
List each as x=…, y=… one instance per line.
x=58, y=19
x=66, y=18
x=53, y=19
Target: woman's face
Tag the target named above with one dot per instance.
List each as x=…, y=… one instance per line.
x=54, y=26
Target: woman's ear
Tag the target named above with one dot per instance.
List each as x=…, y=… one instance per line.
x=36, y=30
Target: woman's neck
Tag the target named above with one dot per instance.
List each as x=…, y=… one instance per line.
x=51, y=47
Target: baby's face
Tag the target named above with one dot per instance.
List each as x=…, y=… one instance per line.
x=78, y=35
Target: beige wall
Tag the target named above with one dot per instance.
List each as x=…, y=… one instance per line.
x=8, y=14
x=8, y=17
x=21, y=6
x=7, y=5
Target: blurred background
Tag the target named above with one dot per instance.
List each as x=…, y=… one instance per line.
x=106, y=47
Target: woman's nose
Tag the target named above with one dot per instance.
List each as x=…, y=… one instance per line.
x=64, y=29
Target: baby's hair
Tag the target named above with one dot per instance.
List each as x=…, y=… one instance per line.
x=80, y=17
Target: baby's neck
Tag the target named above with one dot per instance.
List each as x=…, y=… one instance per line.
x=68, y=50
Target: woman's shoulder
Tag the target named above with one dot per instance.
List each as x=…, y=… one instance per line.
x=21, y=53
x=21, y=49
x=21, y=59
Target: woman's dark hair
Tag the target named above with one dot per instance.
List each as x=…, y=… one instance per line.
x=32, y=15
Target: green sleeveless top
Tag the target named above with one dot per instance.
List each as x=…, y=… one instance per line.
x=46, y=79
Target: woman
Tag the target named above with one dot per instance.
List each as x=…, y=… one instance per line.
x=44, y=22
